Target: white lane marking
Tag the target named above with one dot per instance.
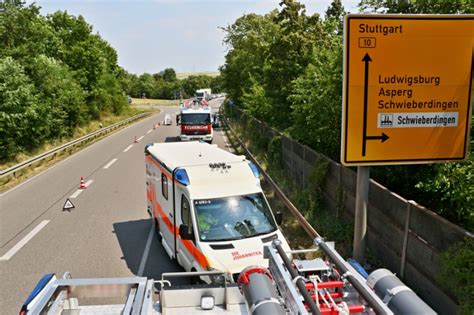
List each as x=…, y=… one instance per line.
x=140, y=138
x=79, y=191
x=149, y=131
x=128, y=148
x=146, y=251
x=90, y=181
x=23, y=242
x=110, y=163
x=76, y=193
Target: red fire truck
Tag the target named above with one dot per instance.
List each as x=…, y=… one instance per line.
x=195, y=122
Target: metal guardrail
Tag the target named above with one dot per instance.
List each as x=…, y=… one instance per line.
x=288, y=204
x=12, y=170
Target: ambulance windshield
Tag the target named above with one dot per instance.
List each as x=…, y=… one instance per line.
x=232, y=218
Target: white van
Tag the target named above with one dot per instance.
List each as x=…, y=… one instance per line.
x=167, y=121
x=209, y=207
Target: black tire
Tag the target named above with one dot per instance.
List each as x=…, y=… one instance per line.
x=157, y=229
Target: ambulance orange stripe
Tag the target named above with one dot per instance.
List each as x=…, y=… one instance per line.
x=153, y=161
x=158, y=211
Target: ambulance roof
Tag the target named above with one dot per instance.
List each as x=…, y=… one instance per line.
x=182, y=154
x=208, y=183
x=205, y=181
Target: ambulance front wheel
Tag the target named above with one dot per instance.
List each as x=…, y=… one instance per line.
x=157, y=229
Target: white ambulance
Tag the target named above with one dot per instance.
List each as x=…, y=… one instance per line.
x=209, y=208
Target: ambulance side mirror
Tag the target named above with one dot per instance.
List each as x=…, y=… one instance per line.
x=279, y=217
x=184, y=232
x=178, y=120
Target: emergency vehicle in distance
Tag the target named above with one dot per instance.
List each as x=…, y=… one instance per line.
x=209, y=208
x=203, y=94
x=195, y=121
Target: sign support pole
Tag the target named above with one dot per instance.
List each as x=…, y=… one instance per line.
x=360, y=221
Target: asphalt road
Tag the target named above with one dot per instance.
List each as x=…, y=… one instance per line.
x=105, y=235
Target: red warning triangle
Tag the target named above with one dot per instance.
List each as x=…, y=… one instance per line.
x=68, y=205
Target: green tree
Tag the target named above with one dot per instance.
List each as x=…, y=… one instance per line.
x=195, y=82
x=68, y=74
x=24, y=33
x=452, y=191
x=418, y=6
x=92, y=60
x=60, y=93
x=217, y=84
x=256, y=102
x=126, y=81
x=169, y=75
x=21, y=118
x=336, y=12
x=146, y=85
x=316, y=100
x=289, y=54
x=248, y=41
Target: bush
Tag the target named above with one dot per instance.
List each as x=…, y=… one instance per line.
x=274, y=153
x=453, y=188
x=21, y=117
x=457, y=276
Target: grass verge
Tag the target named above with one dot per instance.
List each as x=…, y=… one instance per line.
x=8, y=182
x=184, y=75
x=146, y=102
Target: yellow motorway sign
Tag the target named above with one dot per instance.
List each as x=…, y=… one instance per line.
x=407, y=88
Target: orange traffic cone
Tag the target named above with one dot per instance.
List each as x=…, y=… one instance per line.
x=158, y=123
x=83, y=184
x=135, y=139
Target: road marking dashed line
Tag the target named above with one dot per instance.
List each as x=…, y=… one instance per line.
x=110, y=163
x=24, y=240
x=149, y=131
x=140, y=138
x=128, y=148
x=79, y=191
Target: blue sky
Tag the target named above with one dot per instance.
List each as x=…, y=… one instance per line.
x=151, y=35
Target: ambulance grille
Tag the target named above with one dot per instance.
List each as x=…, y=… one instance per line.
x=269, y=238
x=222, y=246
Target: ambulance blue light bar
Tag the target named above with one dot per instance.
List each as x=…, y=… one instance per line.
x=254, y=169
x=182, y=176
